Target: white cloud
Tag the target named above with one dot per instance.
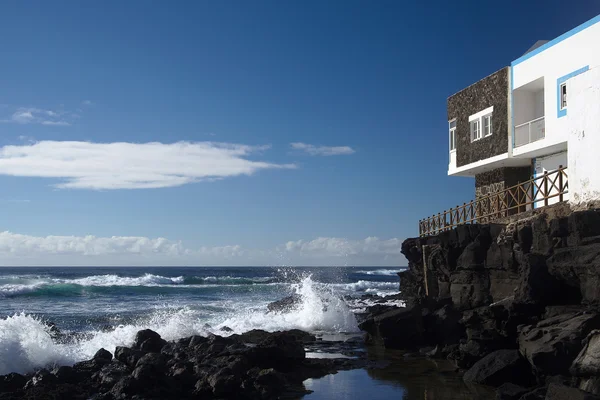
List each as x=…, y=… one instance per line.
x=17, y=244
x=87, y=103
x=19, y=249
x=322, y=150
x=32, y=115
x=120, y=165
x=340, y=247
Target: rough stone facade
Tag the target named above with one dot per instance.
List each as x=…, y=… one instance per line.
x=490, y=91
x=499, y=179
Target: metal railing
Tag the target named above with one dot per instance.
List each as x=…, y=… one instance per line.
x=530, y=132
x=545, y=189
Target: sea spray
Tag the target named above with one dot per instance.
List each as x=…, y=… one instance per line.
x=321, y=308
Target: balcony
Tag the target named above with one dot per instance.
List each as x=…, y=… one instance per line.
x=530, y=132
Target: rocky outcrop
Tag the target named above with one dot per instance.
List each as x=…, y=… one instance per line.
x=527, y=286
x=255, y=365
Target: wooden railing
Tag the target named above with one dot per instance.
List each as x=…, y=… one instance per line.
x=536, y=192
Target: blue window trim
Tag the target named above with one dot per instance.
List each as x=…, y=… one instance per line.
x=559, y=39
x=561, y=113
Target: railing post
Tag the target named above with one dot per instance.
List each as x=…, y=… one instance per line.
x=561, y=189
x=545, y=188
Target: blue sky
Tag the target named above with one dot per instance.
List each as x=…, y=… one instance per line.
x=285, y=133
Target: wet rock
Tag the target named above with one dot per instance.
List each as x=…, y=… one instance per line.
x=111, y=373
x=400, y=328
x=587, y=362
x=254, y=336
x=510, y=391
x=12, y=382
x=148, y=341
x=65, y=374
x=286, y=304
x=128, y=356
x=196, y=341
x=552, y=344
x=226, y=329
x=499, y=367
x=155, y=360
x=224, y=382
x=103, y=355
x=125, y=388
x=41, y=377
x=279, y=350
x=561, y=392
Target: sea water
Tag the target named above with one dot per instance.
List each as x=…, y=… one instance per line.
x=95, y=308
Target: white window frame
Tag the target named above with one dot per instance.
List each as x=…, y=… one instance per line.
x=563, y=96
x=476, y=124
x=475, y=129
x=490, y=127
x=452, y=135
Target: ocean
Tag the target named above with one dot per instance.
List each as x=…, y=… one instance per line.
x=61, y=316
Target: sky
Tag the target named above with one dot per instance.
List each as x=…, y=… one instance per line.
x=240, y=132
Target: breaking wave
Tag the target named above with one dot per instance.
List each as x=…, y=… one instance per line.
x=28, y=342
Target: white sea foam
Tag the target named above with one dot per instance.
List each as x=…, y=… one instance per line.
x=385, y=272
x=26, y=343
x=115, y=280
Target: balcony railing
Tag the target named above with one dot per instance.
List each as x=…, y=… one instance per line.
x=530, y=131
x=519, y=198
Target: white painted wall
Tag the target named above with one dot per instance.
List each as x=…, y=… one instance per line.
x=452, y=163
x=548, y=164
x=575, y=52
x=584, y=137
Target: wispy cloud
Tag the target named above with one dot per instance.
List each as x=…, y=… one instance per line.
x=121, y=165
x=87, y=103
x=15, y=200
x=322, y=150
x=32, y=115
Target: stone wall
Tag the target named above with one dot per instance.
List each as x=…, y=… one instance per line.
x=490, y=91
x=499, y=179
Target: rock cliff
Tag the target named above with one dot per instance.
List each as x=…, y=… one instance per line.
x=522, y=294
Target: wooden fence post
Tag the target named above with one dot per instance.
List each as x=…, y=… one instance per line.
x=545, y=188
x=561, y=189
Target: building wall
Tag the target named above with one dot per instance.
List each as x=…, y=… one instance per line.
x=499, y=179
x=490, y=91
x=567, y=54
x=584, y=137
x=548, y=164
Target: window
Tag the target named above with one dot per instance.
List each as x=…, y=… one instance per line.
x=563, y=96
x=487, y=125
x=481, y=124
x=475, y=129
x=452, y=125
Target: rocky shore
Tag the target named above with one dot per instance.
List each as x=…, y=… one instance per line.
x=254, y=365
x=514, y=305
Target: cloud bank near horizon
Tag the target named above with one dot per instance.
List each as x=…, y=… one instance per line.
x=19, y=249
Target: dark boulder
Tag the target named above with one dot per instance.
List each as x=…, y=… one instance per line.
x=398, y=328
x=510, y=391
x=111, y=373
x=224, y=383
x=148, y=341
x=12, y=382
x=499, y=367
x=587, y=363
x=280, y=350
x=65, y=374
x=103, y=355
x=43, y=377
x=562, y=392
x=552, y=344
x=128, y=356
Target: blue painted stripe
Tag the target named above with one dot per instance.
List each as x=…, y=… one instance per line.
x=559, y=39
x=561, y=113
